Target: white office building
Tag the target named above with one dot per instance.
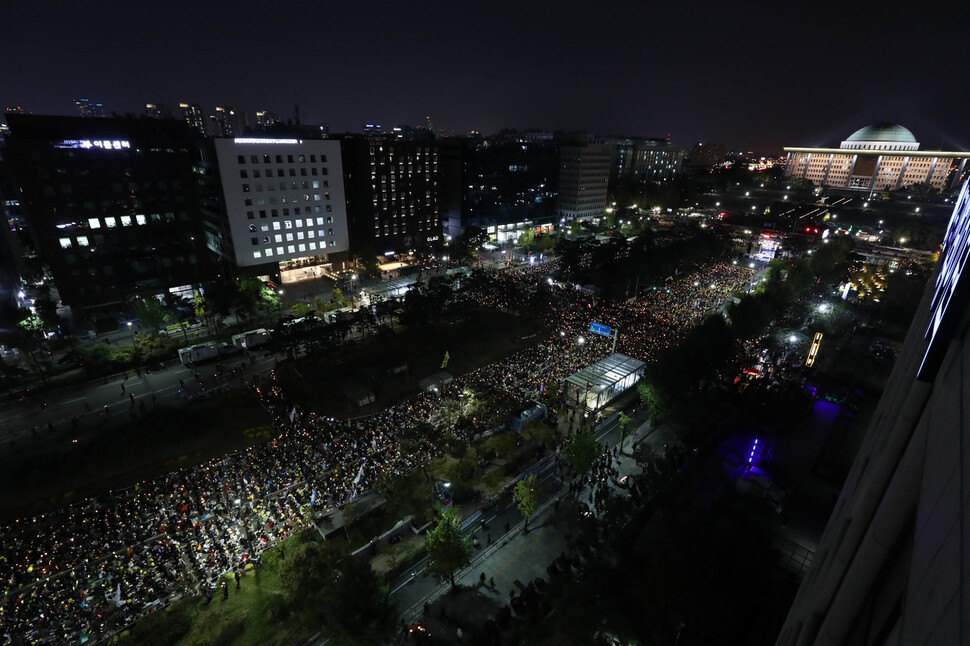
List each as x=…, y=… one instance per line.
x=285, y=203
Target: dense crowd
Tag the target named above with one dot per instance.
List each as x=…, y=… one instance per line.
x=95, y=566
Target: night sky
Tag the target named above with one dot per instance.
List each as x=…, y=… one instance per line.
x=752, y=75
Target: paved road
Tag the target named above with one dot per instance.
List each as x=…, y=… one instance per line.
x=173, y=385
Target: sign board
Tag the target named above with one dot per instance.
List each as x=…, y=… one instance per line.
x=950, y=298
x=599, y=328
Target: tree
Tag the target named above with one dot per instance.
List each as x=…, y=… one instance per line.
x=625, y=430
x=581, y=450
x=654, y=398
x=527, y=239
x=357, y=608
x=525, y=494
x=307, y=571
x=150, y=312
x=449, y=548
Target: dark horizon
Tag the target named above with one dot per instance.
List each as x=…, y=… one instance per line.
x=706, y=72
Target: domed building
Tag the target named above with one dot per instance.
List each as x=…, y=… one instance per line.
x=882, y=156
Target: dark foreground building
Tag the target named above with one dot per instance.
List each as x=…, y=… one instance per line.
x=116, y=207
x=892, y=566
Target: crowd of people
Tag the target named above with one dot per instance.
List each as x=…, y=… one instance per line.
x=95, y=566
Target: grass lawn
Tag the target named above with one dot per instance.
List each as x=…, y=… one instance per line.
x=255, y=615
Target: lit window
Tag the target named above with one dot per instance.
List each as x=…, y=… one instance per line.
x=269, y=252
x=276, y=226
x=111, y=223
x=310, y=234
x=94, y=223
x=313, y=245
x=299, y=223
x=291, y=249
x=65, y=243
x=289, y=237
x=278, y=238
x=257, y=254
x=82, y=241
x=299, y=235
x=279, y=251
x=140, y=220
x=302, y=247
x=126, y=220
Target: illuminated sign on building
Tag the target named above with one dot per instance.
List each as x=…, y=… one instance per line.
x=260, y=140
x=87, y=144
x=950, y=297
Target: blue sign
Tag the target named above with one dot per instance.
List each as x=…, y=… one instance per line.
x=599, y=328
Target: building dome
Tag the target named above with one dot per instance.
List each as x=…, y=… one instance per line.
x=882, y=136
x=888, y=132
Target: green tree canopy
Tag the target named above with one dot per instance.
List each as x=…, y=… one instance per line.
x=449, y=548
x=357, y=608
x=525, y=493
x=150, y=312
x=581, y=450
x=655, y=399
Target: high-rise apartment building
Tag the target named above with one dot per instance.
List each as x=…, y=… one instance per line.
x=266, y=119
x=229, y=122
x=883, y=156
x=285, y=203
x=889, y=569
x=194, y=116
x=584, y=175
x=158, y=111
x=115, y=207
x=392, y=195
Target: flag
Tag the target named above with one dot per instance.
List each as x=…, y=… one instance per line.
x=444, y=362
x=293, y=414
x=313, y=498
x=118, y=596
x=359, y=474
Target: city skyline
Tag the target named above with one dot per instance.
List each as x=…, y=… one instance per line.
x=704, y=72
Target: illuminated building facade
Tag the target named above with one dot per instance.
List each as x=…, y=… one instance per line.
x=890, y=567
x=584, y=176
x=116, y=207
x=285, y=202
x=392, y=194
x=880, y=157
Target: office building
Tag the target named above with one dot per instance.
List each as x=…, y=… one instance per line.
x=639, y=165
x=115, y=207
x=880, y=157
x=88, y=108
x=502, y=184
x=392, y=195
x=889, y=569
x=284, y=198
x=584, y=175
